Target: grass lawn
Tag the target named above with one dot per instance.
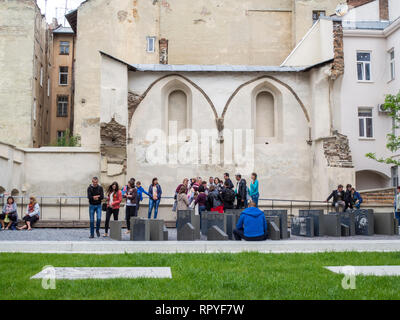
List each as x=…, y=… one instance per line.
x=203, y=276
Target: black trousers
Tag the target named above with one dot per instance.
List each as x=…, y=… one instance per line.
x=110, y=211
x=240, y=204
x=12, y=217
x=131, y=211
x=239, y=235
x=32, y=219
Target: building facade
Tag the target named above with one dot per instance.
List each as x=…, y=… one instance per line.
x=62, y=83
x=371, y=50
x=24, y=91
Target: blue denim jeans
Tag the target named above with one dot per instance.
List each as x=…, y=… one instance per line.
x=153, y=204
x=254, y=198
x=201, y=209
x=92, y=209
x=397, y=215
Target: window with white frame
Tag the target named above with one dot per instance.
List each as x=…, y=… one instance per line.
x=365, y=123
x=364, y=66
x=151, y=44
x=392, y=65
x=62, y=106
x=63, y=76
x=64, y=47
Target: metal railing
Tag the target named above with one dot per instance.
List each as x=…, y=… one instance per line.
x=76, y=207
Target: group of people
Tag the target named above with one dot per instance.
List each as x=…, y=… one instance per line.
x=344, y=199
x=9, y=215
x=216, y=195
x=132, y=193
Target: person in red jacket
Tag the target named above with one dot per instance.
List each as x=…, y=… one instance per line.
x=113, y=202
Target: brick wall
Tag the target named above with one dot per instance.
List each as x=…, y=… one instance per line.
x=384, y=9
x=382, y=196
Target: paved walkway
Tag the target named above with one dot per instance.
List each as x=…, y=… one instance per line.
x=77, y=241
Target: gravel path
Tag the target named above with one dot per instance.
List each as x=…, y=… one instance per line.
x=83, y=235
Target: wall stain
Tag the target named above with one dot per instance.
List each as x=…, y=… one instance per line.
x=197, y=21
x=122, y=15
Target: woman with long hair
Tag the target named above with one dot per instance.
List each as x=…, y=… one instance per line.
x=183, y=202
x=131, y=203
x=9, y=215
x=114, y=199
x=155, y=193
x=31, y=215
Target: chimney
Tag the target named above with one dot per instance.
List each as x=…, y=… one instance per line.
x=384, y=10
x=163, y=43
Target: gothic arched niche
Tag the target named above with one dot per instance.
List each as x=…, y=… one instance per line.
x=265, y=115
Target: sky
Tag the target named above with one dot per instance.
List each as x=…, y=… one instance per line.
x=56, y=8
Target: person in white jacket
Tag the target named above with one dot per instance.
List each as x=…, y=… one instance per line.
x=31, y=215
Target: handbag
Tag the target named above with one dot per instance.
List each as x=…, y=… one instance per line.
x=104, y=206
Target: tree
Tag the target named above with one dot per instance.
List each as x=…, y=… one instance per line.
x=392, y=105
x=67, y=140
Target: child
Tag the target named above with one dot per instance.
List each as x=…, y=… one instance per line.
x=140, y=191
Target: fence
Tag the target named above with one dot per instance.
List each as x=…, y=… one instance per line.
x=76, y=207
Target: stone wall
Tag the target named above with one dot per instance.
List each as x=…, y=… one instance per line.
x=337, y=151
x=379, y=196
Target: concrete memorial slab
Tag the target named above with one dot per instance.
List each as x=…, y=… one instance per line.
x=332, y=225
x=318, y=216
x=103, y=273
x=216, y=234
x=273, y=231
x=364, y=222
x=186, y=233
x=283, y=221
x=302, y=226
x=165, y=233
x=348, y=218
x=345, y=230
x=115, y=230
x=230, y=225
x=210, y=219
x=140, y=229
x=384, y=223
x=156, y=230
x=185, y=216
x=367, y=270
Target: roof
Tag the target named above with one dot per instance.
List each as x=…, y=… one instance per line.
x=211, y=68
x=72, y=18
x=366, y=25
x=63, y=30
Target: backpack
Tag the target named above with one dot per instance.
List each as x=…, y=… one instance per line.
x=229, y=195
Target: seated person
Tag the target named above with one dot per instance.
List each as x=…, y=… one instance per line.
x=9, y=216
x=252, y=225
x=31, y=215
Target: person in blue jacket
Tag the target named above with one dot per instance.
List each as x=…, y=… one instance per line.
x=252, y=225
x=356, y=198
x=140, y=191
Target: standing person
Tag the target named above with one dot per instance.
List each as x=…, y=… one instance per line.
x=140, y=191
x=254, y=194
x=348, y=198
x=131, y=201
x=183, y=201
x=338, y=198
x=241, y=192
x=155, y=193
x=210, y=182
x=214, y=201
x=356, y=198
x=201, y=200
x=252, y=225
x=397, y=205
x=218, y=184
x=32, y=214
x=95, y=195
x=228, y=196
x=184, y=183
x=114, y=199
x=9, y=215
x=227, y=179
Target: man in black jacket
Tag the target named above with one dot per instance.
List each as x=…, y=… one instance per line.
x=338, y=198
x=241, y=192
x=348, y=198
x=95, y=195
x=227, y=180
